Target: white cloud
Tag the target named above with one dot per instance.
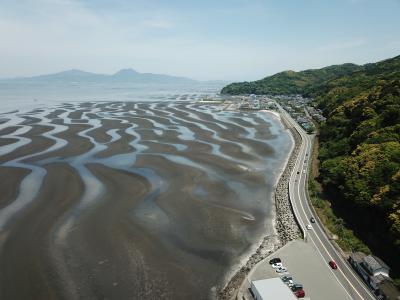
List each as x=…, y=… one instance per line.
x=64, y=34
x=43, y=36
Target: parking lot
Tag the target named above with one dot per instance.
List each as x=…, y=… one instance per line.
x=305, y=266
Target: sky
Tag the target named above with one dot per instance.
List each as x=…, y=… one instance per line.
x=205, y=40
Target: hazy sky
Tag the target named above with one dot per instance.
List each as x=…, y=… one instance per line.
x=219, y=39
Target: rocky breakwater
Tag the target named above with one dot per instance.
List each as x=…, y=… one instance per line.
x=286, y=224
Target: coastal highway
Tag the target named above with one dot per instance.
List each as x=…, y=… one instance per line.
x=345, y=275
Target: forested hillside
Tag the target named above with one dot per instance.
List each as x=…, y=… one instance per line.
x=360, y=153
x=359, y=144
x=290, y=82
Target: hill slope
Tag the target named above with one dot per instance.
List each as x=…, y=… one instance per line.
x=290, y=82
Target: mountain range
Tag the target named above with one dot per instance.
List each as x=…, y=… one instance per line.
x=124, y=75
x=315, y=81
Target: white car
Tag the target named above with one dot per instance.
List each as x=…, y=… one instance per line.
x=309, y=227
x=289, y=283
x=277, y=265
x=281, y=270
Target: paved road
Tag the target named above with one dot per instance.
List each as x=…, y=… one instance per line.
x=345, y=275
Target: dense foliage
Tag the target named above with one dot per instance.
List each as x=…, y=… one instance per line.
x=359, y=143
x=360, y=152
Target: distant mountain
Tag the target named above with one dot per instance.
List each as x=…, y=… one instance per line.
x=124, y=75
x=70, y=75
x=129, y=75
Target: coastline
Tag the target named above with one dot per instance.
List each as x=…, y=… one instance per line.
x=182, y=151
x=286, y=226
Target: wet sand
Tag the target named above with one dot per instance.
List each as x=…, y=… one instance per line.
x=118, y=200
x=27, y=268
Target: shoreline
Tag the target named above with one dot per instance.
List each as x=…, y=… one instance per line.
x=173, y=234
x=286, y=226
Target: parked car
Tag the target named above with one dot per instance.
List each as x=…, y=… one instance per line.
x=300, y=294
x=281, y=270
x=289, y=283
x=274, y=260
x=333, y=264
x=312, y=220
x=304, y=171
x=298, y=172
x=309, y=227
x=296, y=287
x=277, y=265
x=286, y=278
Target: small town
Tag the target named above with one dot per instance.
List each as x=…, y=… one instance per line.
x=302, y=110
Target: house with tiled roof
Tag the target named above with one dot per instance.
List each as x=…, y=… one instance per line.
x=376, y=274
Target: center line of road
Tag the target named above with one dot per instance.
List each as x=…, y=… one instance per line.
x=301, y=222
x=318, y=248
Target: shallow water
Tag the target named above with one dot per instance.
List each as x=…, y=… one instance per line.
x=164, y=199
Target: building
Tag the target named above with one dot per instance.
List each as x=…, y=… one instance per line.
x=376, y=274
x=376, y=266
x=271, y=289
x=255, y=104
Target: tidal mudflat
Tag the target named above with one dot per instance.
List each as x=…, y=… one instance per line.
x=127, y=200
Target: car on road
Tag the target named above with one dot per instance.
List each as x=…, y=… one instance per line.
x=312, y=220
x=333, y=264
x=304, y=171
x=281, y=270
x=275, y=260
x=309, y=227
x=298, y=172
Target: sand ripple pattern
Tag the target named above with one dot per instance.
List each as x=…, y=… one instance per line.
x=130, y=200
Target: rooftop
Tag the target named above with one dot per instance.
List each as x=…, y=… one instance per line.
x=273, y=288
x=357, y=256
x=374, y=262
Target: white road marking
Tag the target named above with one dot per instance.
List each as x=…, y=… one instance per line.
x=299, y=166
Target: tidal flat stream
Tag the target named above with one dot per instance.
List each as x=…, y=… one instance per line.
x=129, y=200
